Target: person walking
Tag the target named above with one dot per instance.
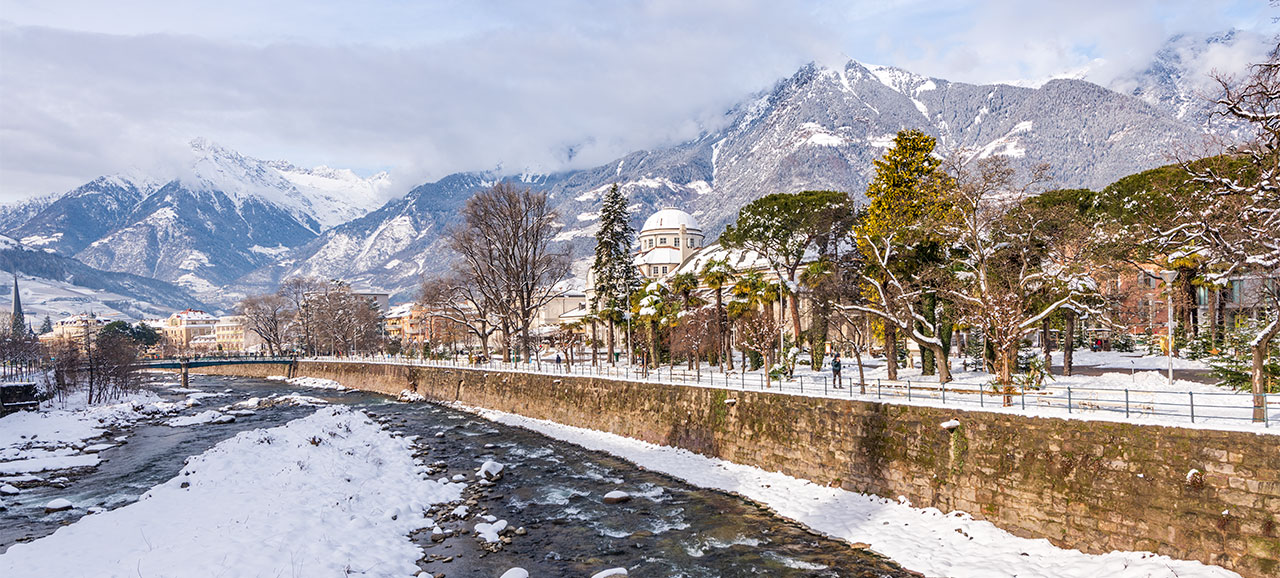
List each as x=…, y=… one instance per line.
x=835, y=370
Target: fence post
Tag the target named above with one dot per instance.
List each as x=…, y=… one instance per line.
x=1126, y=403
x=982, y=396
x=908, y=390
x=944, y=390
x=1192, y=395
x=801, y=383
x=824, y=386
x=1068, y=399
x=1024, y=396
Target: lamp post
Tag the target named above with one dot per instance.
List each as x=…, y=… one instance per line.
x=1168, y=276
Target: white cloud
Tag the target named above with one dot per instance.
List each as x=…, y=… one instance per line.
x=425, y=89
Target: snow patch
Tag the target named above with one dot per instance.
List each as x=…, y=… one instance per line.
x=309, y=498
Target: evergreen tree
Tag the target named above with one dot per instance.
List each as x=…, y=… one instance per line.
x=781, y=227
x=47, y=326
x=898, y=236
x=615, y=276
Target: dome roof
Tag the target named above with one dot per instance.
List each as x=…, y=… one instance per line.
x=670, y=219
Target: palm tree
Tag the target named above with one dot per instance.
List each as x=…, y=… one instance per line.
x=813, y=279
x=752, y=292
x=718, y=274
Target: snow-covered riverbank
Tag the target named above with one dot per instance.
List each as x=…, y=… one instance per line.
x=326, y=495
x=921, y=539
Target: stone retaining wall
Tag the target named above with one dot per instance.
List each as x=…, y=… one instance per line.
x=1094, y=486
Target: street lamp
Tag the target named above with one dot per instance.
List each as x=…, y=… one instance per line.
x=1168, y=277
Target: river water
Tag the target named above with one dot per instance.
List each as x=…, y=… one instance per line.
x=550, y=489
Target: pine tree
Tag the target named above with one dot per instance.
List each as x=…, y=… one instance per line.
x=47, y=326
x=615, y=276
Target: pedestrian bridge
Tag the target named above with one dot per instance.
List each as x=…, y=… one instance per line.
x=184, y=364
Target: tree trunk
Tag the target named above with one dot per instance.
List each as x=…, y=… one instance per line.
x=1213, y=316
x=726, y=338
x=594, y=337
x=1068, y=340
x=795, y=317
x=928, y=361
x=862, y=378
x=653, y=344
x=988, y=355
x=1257, y=377
x=1044, y=344
x=943, y=365
x=891, y=349
x=818, y=330
x=1004, y=364
x=611, y=343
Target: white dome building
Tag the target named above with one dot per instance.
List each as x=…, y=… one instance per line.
x=668, y=238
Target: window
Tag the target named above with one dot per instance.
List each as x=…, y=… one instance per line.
x=649, y=241
x=654, y=271
x=677, y=242
x=662, y=240
x=664, y=270
x=693, y=242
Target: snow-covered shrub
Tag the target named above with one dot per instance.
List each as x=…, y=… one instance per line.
x=1234, y=362
x=1124, y=342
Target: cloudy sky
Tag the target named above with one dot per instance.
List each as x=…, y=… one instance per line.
x=423, y=89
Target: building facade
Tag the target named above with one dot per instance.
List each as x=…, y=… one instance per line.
x=667, y=239
x=76, y=329
x=182, y=328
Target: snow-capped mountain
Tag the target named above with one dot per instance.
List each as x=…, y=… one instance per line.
x=391, y=247
x=220, y=216
x=229, y=224
x=819, y=129
x=1178, y=81
x=57, y=286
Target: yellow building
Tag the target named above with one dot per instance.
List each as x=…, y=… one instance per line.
x=231, y=334
x=74, y=328
x=183, y=327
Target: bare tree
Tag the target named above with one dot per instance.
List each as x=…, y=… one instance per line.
x=296, y=291
x=1017, y=265
x=696, y=333
x=505, y=243
x=461, y=299
x=269, y=316
x=1232, y=216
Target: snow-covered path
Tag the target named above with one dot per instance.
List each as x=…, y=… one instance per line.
x=332, y=494
x=924, y=540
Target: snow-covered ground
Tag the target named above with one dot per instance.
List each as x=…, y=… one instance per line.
x=56, y=437
x=332, y=494
x=313, y=382
x=920, y=539
x=1131, y=388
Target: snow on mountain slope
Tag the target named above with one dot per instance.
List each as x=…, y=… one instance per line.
x=323, y=196
x=57, y=286
x=219, y=216
x=819, y=129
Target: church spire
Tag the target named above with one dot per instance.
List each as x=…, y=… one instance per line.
x=18, y=322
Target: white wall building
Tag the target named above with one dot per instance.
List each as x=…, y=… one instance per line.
x=668, y=238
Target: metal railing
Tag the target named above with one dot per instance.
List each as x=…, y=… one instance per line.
x=1203, y=406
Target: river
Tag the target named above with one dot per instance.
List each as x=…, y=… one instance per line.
x=550, y=489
